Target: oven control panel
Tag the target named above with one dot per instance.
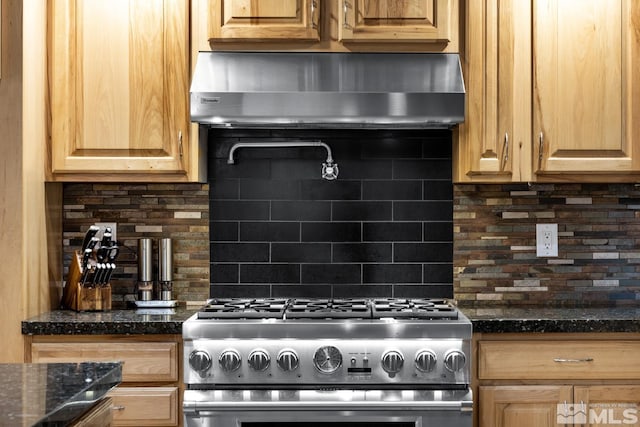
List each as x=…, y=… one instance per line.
x=325, y=361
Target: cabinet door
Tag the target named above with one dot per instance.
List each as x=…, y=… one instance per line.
x=119, y=86
x=609, y=404
x=145, y=406
x=396, y=20
x=266, y=20
x=586, y=72
x=494, y=140
x=522, y=406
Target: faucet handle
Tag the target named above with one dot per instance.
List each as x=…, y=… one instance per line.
x=329, y=171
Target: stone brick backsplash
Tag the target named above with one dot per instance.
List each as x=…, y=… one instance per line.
x=598, y=260
x=178, y=211
x=494, y=254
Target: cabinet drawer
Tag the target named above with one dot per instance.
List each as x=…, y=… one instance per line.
x=558, y=360
x=143, y=362
x=145, y=406
x=99, y=415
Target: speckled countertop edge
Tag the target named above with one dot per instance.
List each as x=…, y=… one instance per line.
x=117, y=322
x=556, y=320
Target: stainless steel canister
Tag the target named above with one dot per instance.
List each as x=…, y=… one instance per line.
x=165, y=269
x=145, y=269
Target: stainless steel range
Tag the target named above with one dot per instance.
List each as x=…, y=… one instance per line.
x=312, y=362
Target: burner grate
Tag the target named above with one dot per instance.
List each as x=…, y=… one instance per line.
x=413, y=309
x=236, y=308
x=346, y=308
x=328, y=309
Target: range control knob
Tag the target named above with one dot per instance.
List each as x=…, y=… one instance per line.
x=230, y=360
x=392, y=361
x=455, y=360
x=426, y=360
x=288, y=360
x=259, y=360
x=200, y=361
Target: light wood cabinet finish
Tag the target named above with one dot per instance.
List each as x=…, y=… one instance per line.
x=148, y=406
x=150, y=392
x=521, y=406
x=493, y=143
x=143, y=362
x=100, y=415
x=613, y=404
x=395, y=20
x=236, y=20
x=559, y=360
x=558, y=80
x=586, y=70
x=329, y=25
x=119, y=89
x=521, y=379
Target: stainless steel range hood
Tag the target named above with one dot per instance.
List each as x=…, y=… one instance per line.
x=322, y=89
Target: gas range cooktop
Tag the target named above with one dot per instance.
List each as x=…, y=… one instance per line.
x=345, y=308
x=258, y=342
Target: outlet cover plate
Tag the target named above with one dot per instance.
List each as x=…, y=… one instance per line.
x=547, y=240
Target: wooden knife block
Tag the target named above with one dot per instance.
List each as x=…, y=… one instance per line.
x=79, y=298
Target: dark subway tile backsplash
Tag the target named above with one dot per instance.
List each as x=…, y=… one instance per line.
x=300, y=211
x=270, y=231
x=384, y=228
x=361, y=211
x=331, y=232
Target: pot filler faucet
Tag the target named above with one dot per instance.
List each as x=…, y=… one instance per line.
x=329, y=168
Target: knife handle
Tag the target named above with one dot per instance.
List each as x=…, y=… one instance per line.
x=113, y=252
x=96, y=273
x=106, y=238
x=102, y=253
x=92, y=243
x=109, y=273
x=101, y=272
x=91, y=232
x=85, y=265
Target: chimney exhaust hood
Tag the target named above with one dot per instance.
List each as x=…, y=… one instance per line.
x=328, y=90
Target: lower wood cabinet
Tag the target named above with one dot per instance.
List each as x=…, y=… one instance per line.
x=100, y=415
x=145, y=406
x=550, y=380
x=150, y=392
x=521, y=406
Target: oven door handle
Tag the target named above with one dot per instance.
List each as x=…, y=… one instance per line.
x=205, y=408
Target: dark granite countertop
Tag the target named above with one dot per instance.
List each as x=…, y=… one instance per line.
x=53, y=394
x=135, y=321
x=543, y=319
x=485, y=320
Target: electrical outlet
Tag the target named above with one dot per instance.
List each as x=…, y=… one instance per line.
x=546, y=240
x=103, y=226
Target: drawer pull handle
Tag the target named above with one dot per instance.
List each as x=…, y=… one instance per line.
x=561, y=360
x=118, y=408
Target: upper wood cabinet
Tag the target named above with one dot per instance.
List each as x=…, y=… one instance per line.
x=396, y=20
x=552, y=92
x=494, y=141
x=267, y=20
x=119, y=86
x=585, y=80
